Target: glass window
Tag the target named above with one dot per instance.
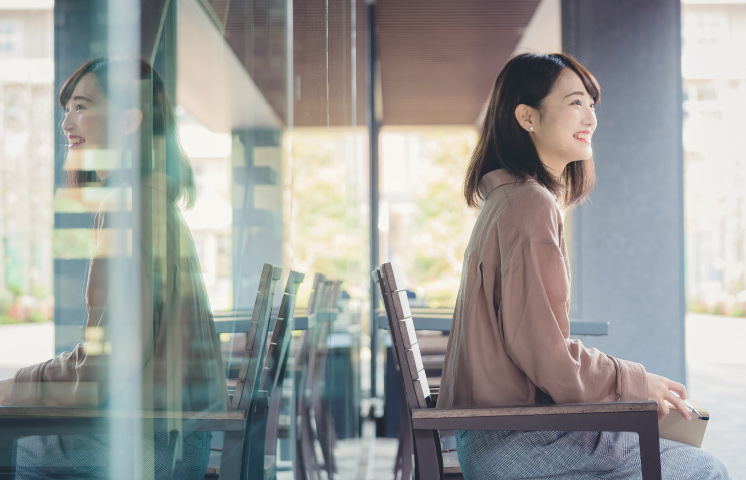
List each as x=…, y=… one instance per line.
x=164, y=166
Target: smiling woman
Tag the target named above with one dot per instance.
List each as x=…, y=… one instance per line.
x=510, y=339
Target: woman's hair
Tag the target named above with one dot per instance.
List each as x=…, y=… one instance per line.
x=527, y=79
x=180, y=177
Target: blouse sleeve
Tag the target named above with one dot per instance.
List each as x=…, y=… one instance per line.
x=535, y=300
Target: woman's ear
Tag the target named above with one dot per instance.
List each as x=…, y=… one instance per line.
x=525, y=116
x=131, y=120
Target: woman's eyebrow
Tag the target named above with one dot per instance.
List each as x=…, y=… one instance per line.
x=81, y=97
x=574, y=93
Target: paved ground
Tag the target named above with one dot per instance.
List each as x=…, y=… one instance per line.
x=716, y=363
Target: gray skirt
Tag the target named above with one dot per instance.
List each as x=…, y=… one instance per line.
x=507, y=455
x=89, y=457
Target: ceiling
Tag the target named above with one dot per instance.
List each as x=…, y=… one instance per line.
x=438, y=58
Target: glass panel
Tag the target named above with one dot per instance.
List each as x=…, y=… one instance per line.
x=154, y=157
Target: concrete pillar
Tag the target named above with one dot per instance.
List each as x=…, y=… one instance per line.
x=628, y=241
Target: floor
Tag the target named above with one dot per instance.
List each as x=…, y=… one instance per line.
x=716, y=364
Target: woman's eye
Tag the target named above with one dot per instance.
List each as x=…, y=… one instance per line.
x=576, y=102
x=79, y=107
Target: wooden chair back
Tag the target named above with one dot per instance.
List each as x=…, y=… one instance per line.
x=404, y=337
x=407, y=352
x=234, y=462
x=253, y=357
x=277, y=350
x=266, y=410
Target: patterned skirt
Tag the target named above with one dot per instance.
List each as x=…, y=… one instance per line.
x=90, y=457
x=507, y=455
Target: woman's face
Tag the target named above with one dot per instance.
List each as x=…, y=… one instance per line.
x=566, y=122
x=86, y=115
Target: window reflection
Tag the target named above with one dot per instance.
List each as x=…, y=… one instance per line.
x=112, y=269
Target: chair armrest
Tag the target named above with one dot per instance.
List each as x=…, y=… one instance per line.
x=641, y=417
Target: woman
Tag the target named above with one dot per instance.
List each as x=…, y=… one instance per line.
x=119, y=122
x=510, y=342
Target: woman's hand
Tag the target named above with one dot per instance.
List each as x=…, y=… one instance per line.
x=6, y=392
x=662, y=389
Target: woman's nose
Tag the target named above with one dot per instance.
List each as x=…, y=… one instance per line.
x=591, y=118
x=66, y=123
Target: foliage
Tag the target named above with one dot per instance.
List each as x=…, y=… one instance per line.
x=442, y=223
x=328, y=230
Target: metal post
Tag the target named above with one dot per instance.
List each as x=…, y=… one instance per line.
x=373, y=130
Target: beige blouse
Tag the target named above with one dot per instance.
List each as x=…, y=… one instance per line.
x=511, y=331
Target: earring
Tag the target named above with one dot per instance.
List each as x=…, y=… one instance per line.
x=530, y=129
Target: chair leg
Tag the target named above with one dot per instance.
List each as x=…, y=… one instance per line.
x=650, y=449
x=231, y=459
x=326, y=435
x=407, y=452
x=310, y=465
x=427, y=466
x=404, y=452
x=257, y=434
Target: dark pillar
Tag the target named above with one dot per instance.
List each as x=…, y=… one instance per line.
x=628, y=241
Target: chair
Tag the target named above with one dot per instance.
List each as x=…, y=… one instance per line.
x=325, y=432
x=426, y=421
x=234, y=457
x=305, y=463
x=273, y=375
x=264, y=412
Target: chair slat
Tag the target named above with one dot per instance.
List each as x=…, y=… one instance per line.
x=401, y=304
x=248, y=348
x=421, y=389
x=407, y=332
x=414, y=359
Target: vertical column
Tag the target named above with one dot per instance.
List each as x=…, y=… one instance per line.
x=628, y=241
x=374, y=126
x=257, y=209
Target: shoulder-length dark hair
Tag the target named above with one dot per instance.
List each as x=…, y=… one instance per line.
x=158, y=118
x=527, y=79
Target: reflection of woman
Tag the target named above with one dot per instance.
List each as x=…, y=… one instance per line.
x=180, y=360
x=510, y=342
